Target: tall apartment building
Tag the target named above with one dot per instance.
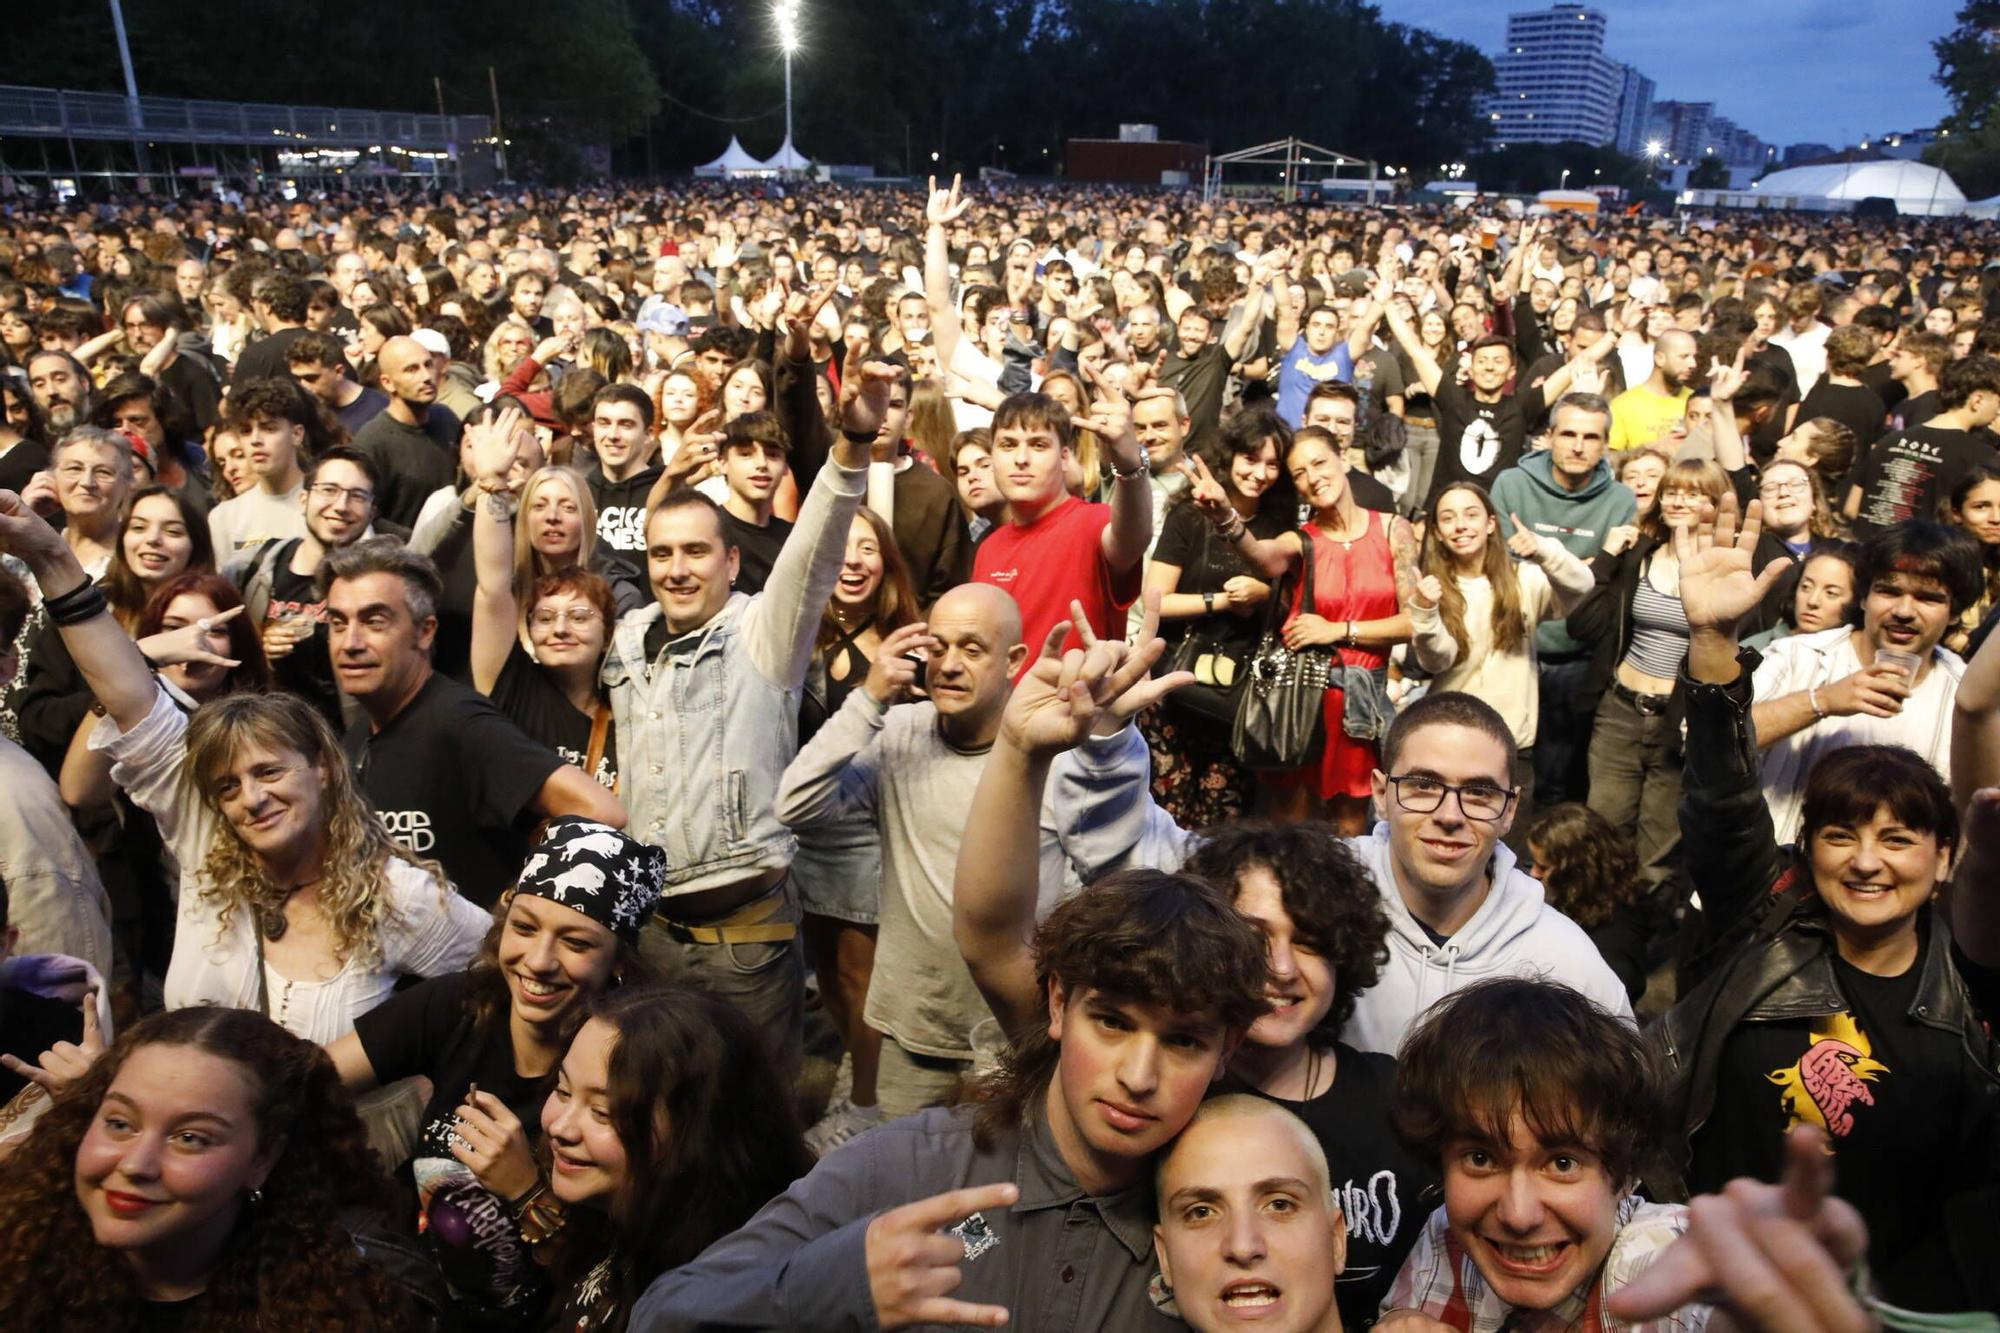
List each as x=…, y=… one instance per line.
x=1635, y=111
x=1554, y=82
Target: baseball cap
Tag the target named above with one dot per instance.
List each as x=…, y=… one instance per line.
x=432, y=341
x=657, y=316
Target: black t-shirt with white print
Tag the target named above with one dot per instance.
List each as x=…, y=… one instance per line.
x=451, y=778
x=534, y=703
x=1476, y=441
x=1386, y=1191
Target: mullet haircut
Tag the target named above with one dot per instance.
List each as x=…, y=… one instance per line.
x=1575, y=1074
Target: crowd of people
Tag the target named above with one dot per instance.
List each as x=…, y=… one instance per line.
x=817, y=757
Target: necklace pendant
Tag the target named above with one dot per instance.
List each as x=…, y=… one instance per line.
x=271, y=922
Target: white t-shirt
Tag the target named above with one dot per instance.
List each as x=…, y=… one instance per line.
x=1817, y=660
x=239, y=526
x=968, y=362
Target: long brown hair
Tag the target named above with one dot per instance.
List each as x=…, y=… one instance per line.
x=288, y=1263
x=709, y=1130
x=1510, y=624
x=123, y=587
x=895, y=602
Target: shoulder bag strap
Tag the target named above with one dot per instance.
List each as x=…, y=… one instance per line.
x=600, y=731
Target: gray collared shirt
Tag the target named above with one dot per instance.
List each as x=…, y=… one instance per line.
x=1059, y=1259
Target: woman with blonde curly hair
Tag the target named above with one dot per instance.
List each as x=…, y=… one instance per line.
x=194, y=1177
x=293, y=898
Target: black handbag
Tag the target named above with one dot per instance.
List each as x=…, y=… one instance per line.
x=1282, y=705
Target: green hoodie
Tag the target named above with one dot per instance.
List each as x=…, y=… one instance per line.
x=1578, y=519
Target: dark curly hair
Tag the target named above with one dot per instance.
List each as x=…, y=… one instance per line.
x=1576, y=1074
x=288, y=1264
x=1139, y=935
x=1593, y=870
x=1335, y=906
x=709, y=1130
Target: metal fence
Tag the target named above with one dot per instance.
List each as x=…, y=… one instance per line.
x=57, y=113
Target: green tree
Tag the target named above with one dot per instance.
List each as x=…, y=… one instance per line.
x=1968, y=147
x=1969, y=64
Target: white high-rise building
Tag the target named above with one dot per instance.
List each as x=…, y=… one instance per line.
x=1555, y=83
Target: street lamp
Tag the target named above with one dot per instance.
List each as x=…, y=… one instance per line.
x=787, y=15
x=1563, y=184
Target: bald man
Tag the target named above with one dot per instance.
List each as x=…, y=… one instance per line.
x=902, y=756
x=1249, y=1228
x=1645, y=412
x=413, y=442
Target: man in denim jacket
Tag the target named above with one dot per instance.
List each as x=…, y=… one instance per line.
x=705, y=687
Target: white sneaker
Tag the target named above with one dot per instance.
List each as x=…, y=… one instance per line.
x=842, y=1122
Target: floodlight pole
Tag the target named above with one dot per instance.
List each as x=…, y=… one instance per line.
x=131, y=90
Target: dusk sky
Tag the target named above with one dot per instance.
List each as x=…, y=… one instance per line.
x=1826, y=71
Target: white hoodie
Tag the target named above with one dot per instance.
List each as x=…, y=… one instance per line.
x=1514, y=933
x=1105, y=819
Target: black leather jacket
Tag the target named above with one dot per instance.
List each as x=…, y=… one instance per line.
x=1768, y=949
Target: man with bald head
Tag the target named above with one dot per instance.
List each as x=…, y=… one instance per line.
x=1645, y=412
x=413, y=442
x=1249, y=1229
x=903, y=755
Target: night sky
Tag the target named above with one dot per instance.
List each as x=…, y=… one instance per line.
x=1863, y=67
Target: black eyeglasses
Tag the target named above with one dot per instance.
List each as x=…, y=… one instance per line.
x=1421, y=795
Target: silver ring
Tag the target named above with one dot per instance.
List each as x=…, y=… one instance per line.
x=203, y=623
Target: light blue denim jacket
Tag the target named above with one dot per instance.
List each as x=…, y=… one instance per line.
x=705, y=731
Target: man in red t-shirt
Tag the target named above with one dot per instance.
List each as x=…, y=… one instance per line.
x=1056, y=548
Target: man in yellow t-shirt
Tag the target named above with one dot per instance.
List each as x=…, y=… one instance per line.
x=1645, y=412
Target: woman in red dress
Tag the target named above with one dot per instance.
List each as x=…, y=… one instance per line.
x=1364, y=568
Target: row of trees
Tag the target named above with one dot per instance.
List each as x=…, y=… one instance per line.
x=883, y=82
x=1969, y=72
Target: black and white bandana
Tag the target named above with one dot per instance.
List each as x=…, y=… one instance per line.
x=595, y=869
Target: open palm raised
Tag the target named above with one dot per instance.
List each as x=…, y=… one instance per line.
x=1719, y=585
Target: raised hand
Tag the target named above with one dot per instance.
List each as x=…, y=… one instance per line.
x=1064, y=695
x=1428, y=594
x=1110, y=420
x=864, y=394
x=1773, y=1258
x=188, y=643
x=802, y=308
x=66, y=1061
x=1719, y=586
x=945, y=207
x=1523, y=542
x=913, y=1263
x=40, y=494
x=22, y=527
x=492, y=448
x=1725, y=381
x=1205, y=492
x=892, y=676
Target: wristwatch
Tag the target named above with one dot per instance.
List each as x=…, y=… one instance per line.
x=1208, y=603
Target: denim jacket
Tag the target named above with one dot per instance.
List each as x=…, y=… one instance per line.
x=705, y=730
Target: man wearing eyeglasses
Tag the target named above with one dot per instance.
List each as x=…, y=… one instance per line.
x=1461, y=907
x=278, y=578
